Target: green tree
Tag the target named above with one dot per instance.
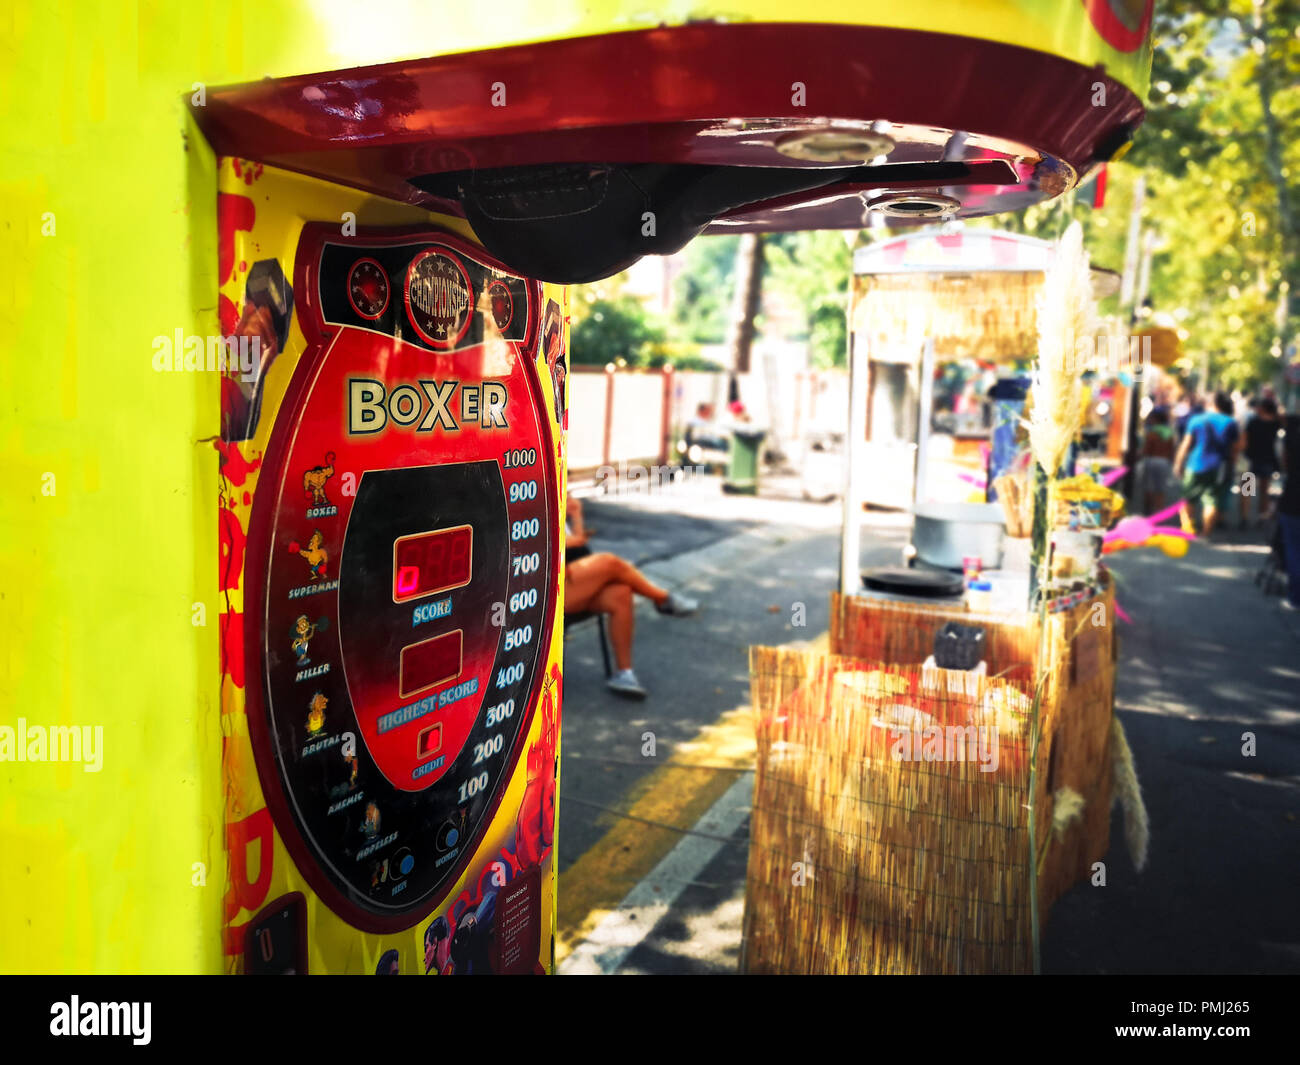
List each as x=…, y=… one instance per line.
x=614, y=328
x=702, y=291
x=811, y=269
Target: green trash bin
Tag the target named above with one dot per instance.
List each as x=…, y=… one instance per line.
x=743, y=458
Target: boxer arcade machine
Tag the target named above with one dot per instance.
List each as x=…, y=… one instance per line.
x=392, y=446
x=389, y=511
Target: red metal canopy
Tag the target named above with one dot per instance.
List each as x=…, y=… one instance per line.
x=992, y=126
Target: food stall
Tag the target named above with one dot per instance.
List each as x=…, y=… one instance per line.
x=944, y=770
x=943, y=322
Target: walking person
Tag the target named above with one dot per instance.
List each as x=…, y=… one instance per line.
x=1208, y=454
x=1261, y=452
x=1155, y=470
x=1288, y=511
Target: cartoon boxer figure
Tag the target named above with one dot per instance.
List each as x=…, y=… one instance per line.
x=313, y=482
x=316, y=713
x=315, y=554
x=303, y=631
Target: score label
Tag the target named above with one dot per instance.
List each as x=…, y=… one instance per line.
x=406, y=727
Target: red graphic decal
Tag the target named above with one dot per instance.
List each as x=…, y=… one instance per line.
x=232, y=647
x=535, y=828
x=234, y=214
x=234, y=467
x=368, y=289
x=1122, y=24
x=250, y=172
x=227, y=315
x=243, y=893
x=232, y=543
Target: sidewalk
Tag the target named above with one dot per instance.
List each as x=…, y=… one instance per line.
x=625, y=805
x=653, y=849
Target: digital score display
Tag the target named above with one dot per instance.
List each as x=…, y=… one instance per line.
x=430, y=662
x=432, y=562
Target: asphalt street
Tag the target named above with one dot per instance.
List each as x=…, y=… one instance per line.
x=653, y=822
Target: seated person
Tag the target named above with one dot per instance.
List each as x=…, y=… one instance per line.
x=604, y=584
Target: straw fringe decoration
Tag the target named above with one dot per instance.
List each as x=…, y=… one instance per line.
x=1128, y=793
x=1067, y=808
x=872, y=848
x=1065, y=317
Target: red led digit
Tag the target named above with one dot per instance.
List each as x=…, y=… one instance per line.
x=408, y=580
x=432, y=562
x=458, y=562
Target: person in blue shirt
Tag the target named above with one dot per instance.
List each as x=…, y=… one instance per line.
x=1206, y=459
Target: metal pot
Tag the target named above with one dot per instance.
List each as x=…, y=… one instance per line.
x=945, y=533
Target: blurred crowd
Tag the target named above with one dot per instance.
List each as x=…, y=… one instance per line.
x=1232, y=460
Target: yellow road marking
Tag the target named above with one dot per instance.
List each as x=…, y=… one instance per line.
x=673, y=794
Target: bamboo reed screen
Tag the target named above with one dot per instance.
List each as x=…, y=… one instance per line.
x=989, y=315
x=869, y=856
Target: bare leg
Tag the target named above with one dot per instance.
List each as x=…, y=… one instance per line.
x=587, y=576
x=1211, y=517
x=616, y=601
x=638, y=581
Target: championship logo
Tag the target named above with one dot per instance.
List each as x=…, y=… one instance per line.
x=439, y=299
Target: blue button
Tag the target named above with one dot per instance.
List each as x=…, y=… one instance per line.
x=452, y=837
x=408, y=863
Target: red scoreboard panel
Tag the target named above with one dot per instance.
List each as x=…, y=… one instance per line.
x=435, y=572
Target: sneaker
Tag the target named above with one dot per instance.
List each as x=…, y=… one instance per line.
x=1288, y=605
x=678, y=606
x=624, y=683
